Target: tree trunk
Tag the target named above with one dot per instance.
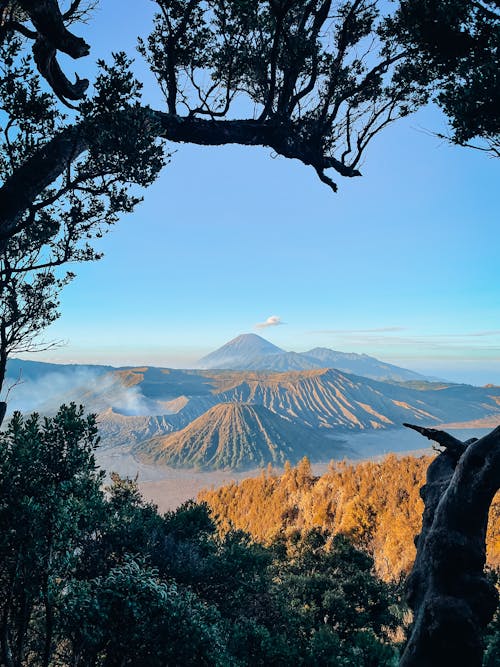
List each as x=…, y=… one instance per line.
x=450, y=596
x=3, y=371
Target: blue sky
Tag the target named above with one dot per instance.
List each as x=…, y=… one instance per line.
x=400, y=264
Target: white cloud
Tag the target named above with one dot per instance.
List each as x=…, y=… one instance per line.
x=272, y=321
x=358, y=331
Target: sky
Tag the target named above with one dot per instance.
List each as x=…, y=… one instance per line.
x=401, y=264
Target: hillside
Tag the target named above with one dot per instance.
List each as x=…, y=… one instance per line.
x=322, y=398
x=377, y=505
x=330, y=399
x=238, y=436
x=136, y=404
x=157, y=403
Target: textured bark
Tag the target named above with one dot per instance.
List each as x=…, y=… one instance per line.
x=450, y=596
x=53, y=36
x=49, y=22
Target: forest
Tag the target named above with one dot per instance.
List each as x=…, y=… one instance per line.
x=93, y=575
x=377, y=505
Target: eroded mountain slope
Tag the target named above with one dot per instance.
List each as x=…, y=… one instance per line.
x=238, y=436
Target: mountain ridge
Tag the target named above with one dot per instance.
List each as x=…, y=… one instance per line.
x=252, y=352
x=238, y=436
x=137, y=404
x=320, y=399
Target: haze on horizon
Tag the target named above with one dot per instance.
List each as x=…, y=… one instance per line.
x=470, y=371
x=401, y=264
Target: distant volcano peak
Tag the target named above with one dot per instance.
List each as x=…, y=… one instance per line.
x=252, y=352
x=244, y=347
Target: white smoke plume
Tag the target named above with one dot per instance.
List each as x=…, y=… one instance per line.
x=272, y=321
x=95, y=390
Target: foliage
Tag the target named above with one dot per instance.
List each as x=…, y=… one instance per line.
x=377, y=505
x=457, y=43
x=344, y=612
x=94, y=576
x=325, y=79
x=50, y=508
x=59, y=225
x=130, y=612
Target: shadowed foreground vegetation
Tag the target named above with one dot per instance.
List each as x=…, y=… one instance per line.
x=95, y=576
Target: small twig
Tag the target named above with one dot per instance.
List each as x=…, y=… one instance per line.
x=15, y=384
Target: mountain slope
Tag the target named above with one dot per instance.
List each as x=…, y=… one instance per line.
x=317, y=399
x=327, y=398
x=359, y=364
x=239, y=351
x=136, y=404
x=119, y=430
x=252, y=352
x=238, y=436
x=281, y=363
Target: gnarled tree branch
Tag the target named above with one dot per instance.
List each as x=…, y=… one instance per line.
x=28, y=182
x=52, y=36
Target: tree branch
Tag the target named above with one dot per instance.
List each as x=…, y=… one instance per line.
x=28, y=182
x=453, y=445
x=49, y=22
x=53, y=36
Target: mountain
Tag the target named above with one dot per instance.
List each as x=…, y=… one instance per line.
x=252, y=352
x=165, y=400
x=238, y=436
x=136, y=405
x=24, y=369
x=238, y=351
x=327, y=398
x=360, y=364
x=282, y=362
x=320, y=399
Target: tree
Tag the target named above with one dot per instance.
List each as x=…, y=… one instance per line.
x=451, y=597
x=343, y=611
x=50, y=505
x=58, y=228
x=130, y=616
x=458, y=43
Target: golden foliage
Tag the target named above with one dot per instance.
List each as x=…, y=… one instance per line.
x=377, y=504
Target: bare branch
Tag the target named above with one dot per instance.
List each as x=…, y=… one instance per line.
x=14, y=384
x=452, y=444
